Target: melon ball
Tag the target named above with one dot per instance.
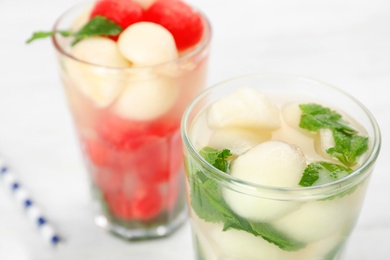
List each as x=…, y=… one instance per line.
x=96, y=74
x=272, y=163
x=147, y=44
x=147, y=98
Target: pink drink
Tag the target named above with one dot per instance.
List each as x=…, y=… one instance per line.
x=127, y=120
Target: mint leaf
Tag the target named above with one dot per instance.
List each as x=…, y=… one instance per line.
x=41, y=35
x=206, y=198
x=97, y=26
x=317, y=173
x=208, y=203
x=348, y=147
x=218, y=159
x=269, y=233
x=315, y=117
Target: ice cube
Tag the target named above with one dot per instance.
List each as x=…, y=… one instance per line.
x=94, y=72
x=323, y=141
x=292, y=115
x=314, y=144
x=293, y=135
x=147, y=44
x=146, y=98
x=272, y=163
x=246, y=107
x=238, y=140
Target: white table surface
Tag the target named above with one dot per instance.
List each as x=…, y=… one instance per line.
x=346, y=43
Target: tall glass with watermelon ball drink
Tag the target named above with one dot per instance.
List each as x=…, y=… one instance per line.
x=129, y=69
x=277, y=168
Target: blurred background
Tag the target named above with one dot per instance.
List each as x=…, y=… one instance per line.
x=345, y=43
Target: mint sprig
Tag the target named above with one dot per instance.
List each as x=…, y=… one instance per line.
x=42, y=35
x=315, y=117
x=208, y=203
x=318, y=173
x=218, y=159
x=348, y=147
x=97, y=26
x=323, y=172
x=348, y=144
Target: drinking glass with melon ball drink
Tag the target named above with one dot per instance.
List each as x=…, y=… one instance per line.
x=126, y=92
x=277, y=167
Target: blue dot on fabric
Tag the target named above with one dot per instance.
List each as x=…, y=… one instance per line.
x=55, y=240
x=27, y=203
x=4, y=169
x=41, y=221
x=15, y=186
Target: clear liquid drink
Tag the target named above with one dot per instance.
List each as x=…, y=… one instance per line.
x=277, y=167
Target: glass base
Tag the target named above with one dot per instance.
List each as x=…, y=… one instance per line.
x=206, y=251
x=141, y=233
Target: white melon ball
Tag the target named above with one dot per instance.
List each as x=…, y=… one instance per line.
x=237, y=140
x=321, y=248
x=256, y=208
x=237, y=244
x=320, y=219
x=99, y=51
x=147, y=98
x=246, y=107
x=315, y=220
x=146, y=44
x=97, y=77
x=272, y=163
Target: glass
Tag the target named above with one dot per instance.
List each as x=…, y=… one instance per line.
x=131, y=143
x=312, y=222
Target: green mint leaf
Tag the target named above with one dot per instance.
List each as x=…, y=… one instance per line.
x=42, y=35
x=264, y=230
x=274, y=236
x=318, y=173
x=97, y=26
x=315, y=117
x=206, y=199
x=208, y=203
x=348, y=147
x=217, y=158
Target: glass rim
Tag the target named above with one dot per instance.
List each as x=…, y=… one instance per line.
x=284, y=193
x=199, y=48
